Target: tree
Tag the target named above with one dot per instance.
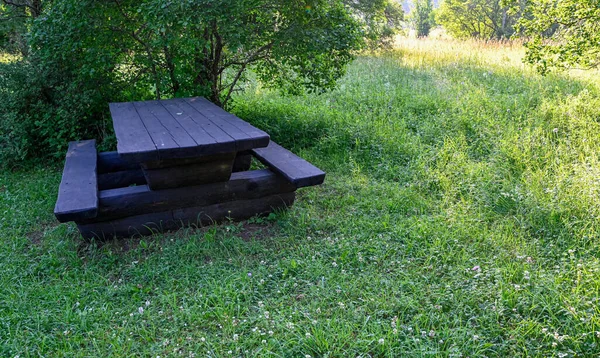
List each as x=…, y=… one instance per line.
x=380, y=19
x=562, y=33
x=82, y=54
x=421, y=17
x=486, y=19
x=199, y=47
x=205, y=47
x=15, y=19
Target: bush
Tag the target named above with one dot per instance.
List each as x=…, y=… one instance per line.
x=40, y=113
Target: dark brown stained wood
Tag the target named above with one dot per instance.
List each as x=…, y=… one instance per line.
x=78, y=191
x=138, y=200
x=211, y=110
x=190, y=174
x=147, y=224
x=111, y=162
x=174, y=128
x=167, y=163
x=297, y=170
x=242, y=162
x=197, y=132
x=133, y=141
x=180, y=128
x=235, y=210
x=121, y=179
x=222, y=140
x=170, y=139
x=245, y=138
x=227, y=127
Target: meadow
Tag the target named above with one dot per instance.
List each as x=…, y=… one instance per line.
x=460, y=217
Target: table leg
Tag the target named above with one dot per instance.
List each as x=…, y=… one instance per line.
x=175, y=173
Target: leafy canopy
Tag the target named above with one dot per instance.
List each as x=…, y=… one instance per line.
x=485, y=19
x=562, y=33
x=199, y=47
x=78, y=55
x=422, y=17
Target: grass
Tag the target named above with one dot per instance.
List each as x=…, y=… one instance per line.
x=460, y=217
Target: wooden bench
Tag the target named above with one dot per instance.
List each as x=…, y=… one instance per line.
x=78, y=191
x=296, y=170
x=107, y=196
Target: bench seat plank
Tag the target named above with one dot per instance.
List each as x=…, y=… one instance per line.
x=78, y=191
x=295, y=169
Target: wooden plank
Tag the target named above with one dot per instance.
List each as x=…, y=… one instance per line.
x=133, y=140
x=190, y=174
x=260, y=138
x=78, y=191
x=166, y=163
x=112, y=162
x=140, y=199
x=146, y=224
x=168, y=144
x=175, y=129
x=242, y=162
x=295, y=169
x=121, y=179
x=234, y=210
x=243, y=141
x=225, y=142
x=197, y=132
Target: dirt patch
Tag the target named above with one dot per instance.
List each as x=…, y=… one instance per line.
x=254, y=231
x=35, y=237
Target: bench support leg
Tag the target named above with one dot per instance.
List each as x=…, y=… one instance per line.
x=148, y=224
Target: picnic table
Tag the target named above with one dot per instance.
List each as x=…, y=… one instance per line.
x=179, y=162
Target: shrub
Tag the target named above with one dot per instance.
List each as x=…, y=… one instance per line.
x=40, y=113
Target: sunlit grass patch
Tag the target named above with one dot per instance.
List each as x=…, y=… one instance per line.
x=459, y=217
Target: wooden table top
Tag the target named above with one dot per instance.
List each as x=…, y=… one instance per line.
x=180, y=128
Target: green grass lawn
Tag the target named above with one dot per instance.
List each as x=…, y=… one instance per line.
x=460, y=217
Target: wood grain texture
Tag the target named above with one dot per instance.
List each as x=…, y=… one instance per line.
x=167, y=163
x=147, y=224
x=179, y=128
x=234, y=210
x=121, y=179
x=109, y=162
x=133, y=141
x=139, y=200
x=218, y=170
x=246, y=135
x=242, y=162
x=211, y=138
x=295, y=169
x=78, y=191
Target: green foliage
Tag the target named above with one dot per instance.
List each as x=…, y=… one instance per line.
x=40, y=114
x=459, y=217
x=380, y=19
x=422, y=18
x=562, y=34
x=12, y=28
x=15, y=21
x=484, y=19
x=87, y=53
x=290, y=45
